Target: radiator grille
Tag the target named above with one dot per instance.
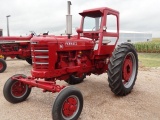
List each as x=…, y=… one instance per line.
x=40, y=56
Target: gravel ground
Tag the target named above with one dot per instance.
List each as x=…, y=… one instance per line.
x=99, y=102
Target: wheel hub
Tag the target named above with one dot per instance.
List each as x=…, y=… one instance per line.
x=18, y=89
x=69, y=107
x=127, y=68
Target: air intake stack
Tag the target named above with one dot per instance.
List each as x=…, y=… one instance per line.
x=69, y=20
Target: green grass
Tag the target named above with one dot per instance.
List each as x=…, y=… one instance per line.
x=149, y=59
x=149, y=53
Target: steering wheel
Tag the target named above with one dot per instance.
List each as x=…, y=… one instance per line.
x=95, y=28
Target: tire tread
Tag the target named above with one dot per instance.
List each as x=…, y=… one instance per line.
x=115, y=68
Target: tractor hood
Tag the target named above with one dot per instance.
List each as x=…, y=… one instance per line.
x=63, y=43
x=43, y=40
x=15, y=39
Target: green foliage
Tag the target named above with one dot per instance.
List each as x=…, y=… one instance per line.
x=149, y=59
x=148, y=47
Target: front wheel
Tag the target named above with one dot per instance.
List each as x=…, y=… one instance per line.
x=68, y=104
x=15, y=91
x=3, y=65
x=122, y=69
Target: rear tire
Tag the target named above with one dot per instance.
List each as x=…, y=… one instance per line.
x=75, y=80
x=3, y=65
x=15, y=91
x=122, y=69
x=20, y=57
x=68, y=104
x=29, y=60
x=5, y=58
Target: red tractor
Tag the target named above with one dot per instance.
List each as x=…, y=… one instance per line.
x=71, y=58
x=18, y=47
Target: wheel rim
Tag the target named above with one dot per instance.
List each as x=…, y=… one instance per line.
x=1, y=66
x=70, y=107
x=129, y=70
x=19, y=89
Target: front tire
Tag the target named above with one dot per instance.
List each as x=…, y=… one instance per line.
x=122, y=69
x=68, y=104
x=3, y=65
x=15, y=91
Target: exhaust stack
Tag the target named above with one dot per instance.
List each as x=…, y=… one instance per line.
x=69, y=20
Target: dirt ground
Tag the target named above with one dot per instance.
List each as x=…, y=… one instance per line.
x=143, y=103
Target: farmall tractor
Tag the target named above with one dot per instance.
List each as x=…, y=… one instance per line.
x=71, y=58
x=15, y=46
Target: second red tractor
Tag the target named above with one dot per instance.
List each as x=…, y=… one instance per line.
x=14, y=46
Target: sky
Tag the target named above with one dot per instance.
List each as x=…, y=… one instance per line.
x=50, y=15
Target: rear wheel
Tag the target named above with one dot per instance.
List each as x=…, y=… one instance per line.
x=29, y=60
x=15, y=91
x=4, y=57
x=20, y=57
x=75, y=80
x=3, y=65
x=68, y=104
x=122, y=69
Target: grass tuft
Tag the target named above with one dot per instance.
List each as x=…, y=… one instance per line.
x=149, y=59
